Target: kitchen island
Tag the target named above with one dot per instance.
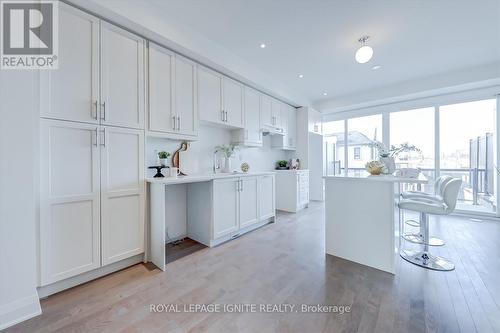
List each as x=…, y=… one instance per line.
x=215, y=207
x=361, y=218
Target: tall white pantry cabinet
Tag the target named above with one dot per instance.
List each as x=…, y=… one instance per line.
x=91, y=148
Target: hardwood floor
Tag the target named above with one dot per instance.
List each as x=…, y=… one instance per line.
x=285, y=263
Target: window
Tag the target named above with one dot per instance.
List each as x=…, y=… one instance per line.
x=467, y=151
x=333, y=144
x=362, y=133
x=415, y=127
x=357, y=153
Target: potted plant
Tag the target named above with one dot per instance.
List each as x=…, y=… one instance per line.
x=163, y=157
x=281, y=165
x=228, y=151
x=387, y=156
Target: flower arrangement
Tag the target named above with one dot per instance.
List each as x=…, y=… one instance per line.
x=394, y=151
x=375, y=167
x=227, y=150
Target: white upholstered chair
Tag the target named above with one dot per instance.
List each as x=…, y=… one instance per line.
x=435, y=207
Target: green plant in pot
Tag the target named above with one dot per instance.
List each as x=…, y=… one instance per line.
x=163, y=157
x=281, y=165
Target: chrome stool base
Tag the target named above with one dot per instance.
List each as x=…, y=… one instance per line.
x=417, y=239
x=413, y=223
x=427, y=260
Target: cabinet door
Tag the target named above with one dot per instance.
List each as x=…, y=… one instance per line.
x=284, y=111
x=186, y=106
x=122, y=77
x=276, y=112
x=210, y=95
x=161, y=113
x=266, y=116
x=71, y=91
x=69, y=200
x=266, y=197
x=225, y=196
x=122, y=193
x=249, y=210
x=233, y=102
x=252, y=116
x=292, y=127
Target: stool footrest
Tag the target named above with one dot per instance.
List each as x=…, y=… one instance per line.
x=418, y=239
x=427, y=260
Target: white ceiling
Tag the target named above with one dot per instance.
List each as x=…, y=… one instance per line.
x=412, y=39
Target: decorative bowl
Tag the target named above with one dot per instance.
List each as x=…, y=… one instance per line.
x=375, y=168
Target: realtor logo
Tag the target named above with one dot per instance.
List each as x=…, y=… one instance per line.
x=29, y=37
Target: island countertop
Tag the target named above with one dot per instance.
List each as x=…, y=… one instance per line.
x=421, y=179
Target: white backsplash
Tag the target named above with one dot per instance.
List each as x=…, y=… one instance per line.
x=259, y=159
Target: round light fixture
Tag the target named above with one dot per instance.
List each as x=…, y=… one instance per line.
x=365, y=52
x=301, y=76
x=263, y=46
x=325, y=93
x=376, y=67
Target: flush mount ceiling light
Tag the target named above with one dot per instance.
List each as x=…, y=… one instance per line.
x=263, y=46
x=301, y=76
x=376, y=67
x=365, y=52
x=325, y=93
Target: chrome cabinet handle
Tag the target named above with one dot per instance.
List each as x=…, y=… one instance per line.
x=103, y=143
x=222, y=114
x=103, y=107
x=175, y=124
x=241, y=180
x=95, y=137
x=94, y=109
x=178, y=123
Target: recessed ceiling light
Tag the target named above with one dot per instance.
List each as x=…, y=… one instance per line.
x=325, y=93
x=301, y=76
x=376, y=67
x=263, y=46
x=365, y=52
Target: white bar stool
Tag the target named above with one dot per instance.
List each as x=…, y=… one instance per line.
x=428, y=206
x=439, y=186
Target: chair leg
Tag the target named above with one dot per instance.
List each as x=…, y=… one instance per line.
x=424, y=258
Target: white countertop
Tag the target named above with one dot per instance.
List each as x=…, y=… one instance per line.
x=293, y=170
x=203, y=177
x=382, y=178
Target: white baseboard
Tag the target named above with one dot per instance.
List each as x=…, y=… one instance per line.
x=88, y=276
x=19, y=310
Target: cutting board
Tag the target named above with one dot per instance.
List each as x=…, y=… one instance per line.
x=188, y=162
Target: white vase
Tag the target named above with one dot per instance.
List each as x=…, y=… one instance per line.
x=163, y=161
x=227, y=165
x=389, y=163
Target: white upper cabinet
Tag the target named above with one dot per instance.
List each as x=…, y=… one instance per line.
x=72, y=91
x=210, y=96
x=315, y=121
x=292, y=127
x=161, y=109
x=284, y=114
x=266, y=115
x=122, y=193
x=276, y=107
x=185, y=95
x=233, y=102
x=251, y=135
x=69, y=199
x=122, y=77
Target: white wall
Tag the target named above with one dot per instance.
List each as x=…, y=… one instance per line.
x=259, y=159
x=18, y=198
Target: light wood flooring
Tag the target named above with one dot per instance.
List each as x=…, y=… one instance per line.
x=285, y=263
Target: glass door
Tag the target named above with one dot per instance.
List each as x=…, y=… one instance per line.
x=467, y=146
